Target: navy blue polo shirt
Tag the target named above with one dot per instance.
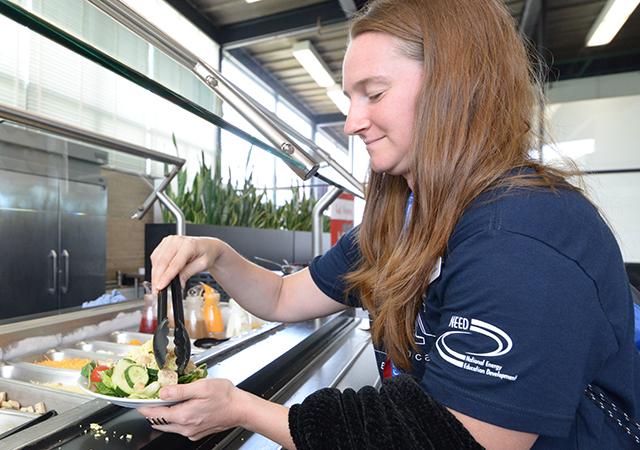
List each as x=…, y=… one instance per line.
x=531, y=304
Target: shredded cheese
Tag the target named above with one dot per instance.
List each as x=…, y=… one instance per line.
x=69, y=363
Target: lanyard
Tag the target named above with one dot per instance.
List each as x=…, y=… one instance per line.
x=390, y=369
x=407, y=211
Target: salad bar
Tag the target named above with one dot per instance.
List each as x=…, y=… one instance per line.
x=82, y=392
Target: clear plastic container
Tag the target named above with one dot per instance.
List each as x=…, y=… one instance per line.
x=194, y=322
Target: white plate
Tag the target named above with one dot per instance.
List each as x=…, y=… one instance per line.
x=123, y=401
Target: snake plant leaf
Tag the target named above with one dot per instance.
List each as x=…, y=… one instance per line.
x=211, y=200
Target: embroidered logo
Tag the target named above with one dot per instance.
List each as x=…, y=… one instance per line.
x=478, y=362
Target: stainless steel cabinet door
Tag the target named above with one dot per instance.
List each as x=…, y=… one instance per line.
x=83, y=215
x=29, y=209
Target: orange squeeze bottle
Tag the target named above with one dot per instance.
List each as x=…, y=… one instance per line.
x=210, y=311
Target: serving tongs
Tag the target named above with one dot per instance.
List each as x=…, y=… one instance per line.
x=181, y=339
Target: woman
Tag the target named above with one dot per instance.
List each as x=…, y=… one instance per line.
x=489, y=279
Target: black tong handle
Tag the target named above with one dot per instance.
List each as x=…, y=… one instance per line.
x=161, y=335
x=180, y=334
x=162, y=305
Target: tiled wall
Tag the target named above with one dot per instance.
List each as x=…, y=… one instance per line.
x=125, y=237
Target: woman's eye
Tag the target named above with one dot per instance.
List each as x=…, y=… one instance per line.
x=374, y=97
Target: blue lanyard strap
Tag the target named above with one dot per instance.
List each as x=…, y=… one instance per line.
x=407, y=210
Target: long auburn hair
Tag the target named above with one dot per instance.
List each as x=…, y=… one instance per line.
x=473, y=125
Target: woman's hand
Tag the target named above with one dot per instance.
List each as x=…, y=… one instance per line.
x=208, y=406
x=184, y=255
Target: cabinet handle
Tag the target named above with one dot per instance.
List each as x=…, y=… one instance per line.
x=54, y=271
x=65, y=256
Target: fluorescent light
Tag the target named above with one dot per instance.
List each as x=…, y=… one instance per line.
x=251, y=1
x=614, y=14
x=313, y=64
x=337, y=96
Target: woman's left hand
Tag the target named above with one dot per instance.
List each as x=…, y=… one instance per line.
x=207, y=406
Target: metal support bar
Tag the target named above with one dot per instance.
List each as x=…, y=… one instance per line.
x=89, y=137
x=181, y=228
x=316, y=216
x=142, y=209
x=531, y=13
x=315, y=148
x=306, y=166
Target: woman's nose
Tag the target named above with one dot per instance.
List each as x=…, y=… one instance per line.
x=357, y=121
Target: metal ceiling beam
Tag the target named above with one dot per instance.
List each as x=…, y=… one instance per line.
x=597, y=64
x=289, y=22
x=530, y=14
x=329, y=119
x=195, y=17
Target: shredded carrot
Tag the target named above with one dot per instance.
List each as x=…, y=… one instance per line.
x=69, y=363
x=135, y=342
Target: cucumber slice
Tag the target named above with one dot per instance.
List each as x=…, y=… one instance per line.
x=136, y=375
x=118, y=375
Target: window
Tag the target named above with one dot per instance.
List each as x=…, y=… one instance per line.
x=45, y=78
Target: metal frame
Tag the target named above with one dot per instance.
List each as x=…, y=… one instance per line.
x=316, y=216
x=266, y=122
x=298, y=160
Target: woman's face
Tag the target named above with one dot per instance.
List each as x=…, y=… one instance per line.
x=383, y=85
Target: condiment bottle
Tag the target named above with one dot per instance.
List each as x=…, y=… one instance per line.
x=211, y=312
x=194, y=322
x=149, y=319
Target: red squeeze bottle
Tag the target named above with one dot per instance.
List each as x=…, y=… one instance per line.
x=149, y=320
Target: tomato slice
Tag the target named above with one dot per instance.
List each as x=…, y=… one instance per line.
x=96, y=376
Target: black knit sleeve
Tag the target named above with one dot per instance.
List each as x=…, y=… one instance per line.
x=400, y=416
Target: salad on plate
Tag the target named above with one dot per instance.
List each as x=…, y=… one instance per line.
x=137, y=375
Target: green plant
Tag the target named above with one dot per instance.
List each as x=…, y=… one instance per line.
x=209, y=200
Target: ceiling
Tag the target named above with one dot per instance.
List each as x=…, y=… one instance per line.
x=260, y=36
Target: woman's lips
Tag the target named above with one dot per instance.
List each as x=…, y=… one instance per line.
x=371, y=141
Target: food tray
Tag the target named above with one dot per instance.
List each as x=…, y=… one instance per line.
x=103, y=347
x=30, y=394
x=45, y=378
x=59, y=355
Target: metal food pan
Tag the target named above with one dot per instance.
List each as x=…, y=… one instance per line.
x=66, y=353
x=125, y=337
x=11, y=419
x=103, y=347
x=42, y=377
x=29, y=395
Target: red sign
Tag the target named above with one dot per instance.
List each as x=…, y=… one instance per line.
x=341, y=212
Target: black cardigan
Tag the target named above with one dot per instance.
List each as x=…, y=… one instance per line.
x=401, y=416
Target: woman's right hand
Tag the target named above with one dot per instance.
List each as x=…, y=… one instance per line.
x=183, y=255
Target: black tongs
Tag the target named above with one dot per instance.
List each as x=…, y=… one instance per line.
x=180, y=335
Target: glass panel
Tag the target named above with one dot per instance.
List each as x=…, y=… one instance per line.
x=65, y=212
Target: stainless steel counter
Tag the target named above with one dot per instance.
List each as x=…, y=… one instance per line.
x=281, y=362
